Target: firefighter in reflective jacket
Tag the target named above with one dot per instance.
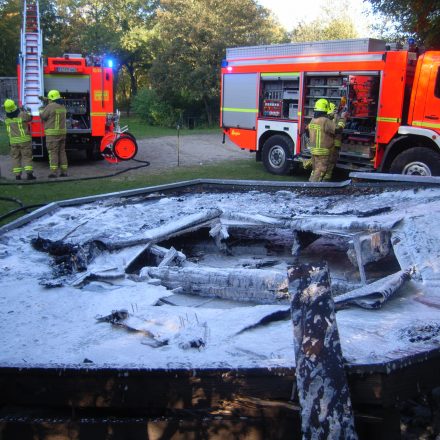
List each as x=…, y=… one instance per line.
x=340, y=121
x=53, y=116
x=19, y=139
x=322, y=135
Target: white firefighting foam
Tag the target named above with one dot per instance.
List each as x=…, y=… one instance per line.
x=57, y=326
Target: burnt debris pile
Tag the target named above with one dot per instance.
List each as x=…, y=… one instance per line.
x=236, y=255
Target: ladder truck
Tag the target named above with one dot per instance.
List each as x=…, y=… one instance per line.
x=392, y=99
x=86, y=87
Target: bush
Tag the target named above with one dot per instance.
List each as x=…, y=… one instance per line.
x=153, y=110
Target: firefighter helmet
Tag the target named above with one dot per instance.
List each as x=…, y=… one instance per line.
x=53, y=95
x=9, y=106
x=321, y=105
x=331, y=108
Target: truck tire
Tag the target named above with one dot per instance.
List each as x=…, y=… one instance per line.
x=276, y=154
x=417, y=161
x=93, y=152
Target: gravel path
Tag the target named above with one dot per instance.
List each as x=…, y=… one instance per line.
x=162, y=153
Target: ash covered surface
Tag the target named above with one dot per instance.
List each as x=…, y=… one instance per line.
x=198, y=279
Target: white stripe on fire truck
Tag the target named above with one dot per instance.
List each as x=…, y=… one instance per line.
x=280, y=74
x=66, y=76
x=307, y=60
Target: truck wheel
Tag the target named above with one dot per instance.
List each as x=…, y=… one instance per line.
x=277, y=151
x=93, y=152
x=417, y=161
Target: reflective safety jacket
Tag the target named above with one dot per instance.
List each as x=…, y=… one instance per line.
x=18, y=129
x=322, y=135
x=54, y=118
x=340, y=125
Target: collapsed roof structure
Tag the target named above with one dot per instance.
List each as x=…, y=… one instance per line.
x=191, y=279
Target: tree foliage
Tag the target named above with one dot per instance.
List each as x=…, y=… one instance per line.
x=333, y=24
x=417, y=18
x=191, y=38
x=10, y=25
x=118, y=30
x=10, y=19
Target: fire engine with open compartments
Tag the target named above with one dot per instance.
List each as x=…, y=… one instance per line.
x=391, y=98
x=86, y=86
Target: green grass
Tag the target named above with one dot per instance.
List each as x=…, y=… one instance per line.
x=141, y=130
x=62, y=190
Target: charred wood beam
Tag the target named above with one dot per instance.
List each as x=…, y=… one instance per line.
x=169, y=257
x=326, y=410
x=164, y=232
x=152, y=255
x=359, y=259
x=219, y=232
x=261, y=286
x=372, y=247
x=374, y=295
x=317, y=223
x=161, y=251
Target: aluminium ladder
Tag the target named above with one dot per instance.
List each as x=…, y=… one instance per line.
x=31, y=60
x=31, y=70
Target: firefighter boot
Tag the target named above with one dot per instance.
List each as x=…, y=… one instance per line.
x=18, y=177
x=30, y=176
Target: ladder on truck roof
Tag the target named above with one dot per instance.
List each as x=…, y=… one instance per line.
x=31, y=61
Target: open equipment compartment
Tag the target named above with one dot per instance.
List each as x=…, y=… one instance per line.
x=279, y=95
x=360, y=91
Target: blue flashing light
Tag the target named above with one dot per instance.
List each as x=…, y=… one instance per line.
x=110, y=64
x=225, y=63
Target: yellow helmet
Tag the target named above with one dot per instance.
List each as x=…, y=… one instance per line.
x=331, y=108
x=321, y=105
x=9, y=106
x=53, y=95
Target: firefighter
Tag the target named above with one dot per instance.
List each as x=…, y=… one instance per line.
x=19, y=139
x=53, y=116
x=322, y=134
x=340, y=120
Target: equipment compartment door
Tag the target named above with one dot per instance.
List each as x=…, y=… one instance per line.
x=240, y=100
x=431, y=115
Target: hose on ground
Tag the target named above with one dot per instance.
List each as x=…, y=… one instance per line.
x=145, y=163
x=22, y=208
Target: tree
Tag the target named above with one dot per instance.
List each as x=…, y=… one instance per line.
x=11, y=17
x=190, y=41
x=331, y=25
x=10, y=21
x=120, y=31
x=417, y=18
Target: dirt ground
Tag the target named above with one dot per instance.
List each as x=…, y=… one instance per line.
x=162, y=153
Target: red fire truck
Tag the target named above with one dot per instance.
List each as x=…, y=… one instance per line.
x=86, y=86
x=392, y=98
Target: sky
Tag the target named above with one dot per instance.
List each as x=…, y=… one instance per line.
x=290, y=13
